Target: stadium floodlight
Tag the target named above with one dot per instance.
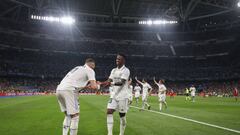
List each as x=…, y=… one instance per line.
x=68, y=20
x=149, y=22
x=238, y=4
x=157, y=22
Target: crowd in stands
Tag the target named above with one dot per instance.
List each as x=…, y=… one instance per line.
x=31, y=86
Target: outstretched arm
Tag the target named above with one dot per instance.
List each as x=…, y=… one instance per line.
x=155, y=80
x=138, y=81
x=150, y=91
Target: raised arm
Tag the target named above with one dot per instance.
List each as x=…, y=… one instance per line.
x=138, y=81
x=155, y=80
x=150, y=90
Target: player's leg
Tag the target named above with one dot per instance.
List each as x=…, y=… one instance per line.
x=136, y=100
x=146, y=103
x=160, y=105
x=67, y=119
x=66, y=124
x=123, y=123
x=72, y=104
x=193, y=98
x=112, y=105
x=122, y=113
x=149, y=107
x=143, y=102
x=164, y=101
x=74, y=124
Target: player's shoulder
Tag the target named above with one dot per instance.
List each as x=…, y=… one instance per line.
x=88, y=69
x=126, y=69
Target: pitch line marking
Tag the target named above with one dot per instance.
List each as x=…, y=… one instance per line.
x=191, y=120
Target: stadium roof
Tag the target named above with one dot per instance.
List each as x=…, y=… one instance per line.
x=191, y=14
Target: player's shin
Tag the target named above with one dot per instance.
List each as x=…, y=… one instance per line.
x=160, y=106
x=123, y=123
x=110, y=123
x=165, y=103
x=143, y=105
x=74, y=125
x=66, y=124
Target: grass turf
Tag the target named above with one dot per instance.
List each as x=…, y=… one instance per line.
x=40, y=115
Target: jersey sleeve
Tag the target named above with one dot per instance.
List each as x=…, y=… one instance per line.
x=91, y=75
x=125, y=74
x=149, y=86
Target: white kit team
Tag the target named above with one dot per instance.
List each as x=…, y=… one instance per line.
x=121, y=92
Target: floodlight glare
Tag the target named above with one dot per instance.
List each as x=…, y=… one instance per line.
x=64, y=20
x=157, y=22
x=238, y=4
x=67, y=20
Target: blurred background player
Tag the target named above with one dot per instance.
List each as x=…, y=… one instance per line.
x=146, y=91
x=67, y=93
x=187, y=92
x=171, y=93
x=193, y=93
x=161, y=93
x=130, y=90
x=118, y=79
x=235, y=93
x=137, y=90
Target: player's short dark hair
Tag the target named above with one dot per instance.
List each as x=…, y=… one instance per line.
x=123, y=55
x=163, y=81
x=89, y=60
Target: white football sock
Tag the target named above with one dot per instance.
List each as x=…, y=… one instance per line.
x=110, y=123
x=143, y=105
x=160, y=106
x=74, y=125
x=165, y=103
x=123, y=123
x=66, y=124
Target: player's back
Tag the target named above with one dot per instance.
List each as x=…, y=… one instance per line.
x=145, y=87
x=137, y=89
x=76, y=78
x=162, y=89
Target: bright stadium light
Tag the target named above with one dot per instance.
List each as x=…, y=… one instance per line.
x=149, y=22
x=68, y=20
x=238, y=4
x=157, y=22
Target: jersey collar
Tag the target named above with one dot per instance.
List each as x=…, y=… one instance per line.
x=121, y=67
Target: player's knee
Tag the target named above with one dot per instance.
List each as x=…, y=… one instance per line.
x=110, y=111
x=74, y=115
x=122, y=114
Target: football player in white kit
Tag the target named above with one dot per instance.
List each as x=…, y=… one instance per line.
x=130, y=91
x=67, y=93
x=137, y=94
x=161, y=93
x=118, y=79
x=146, y=91
x=193, y=92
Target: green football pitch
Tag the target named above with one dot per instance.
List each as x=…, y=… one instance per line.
x=40, y=115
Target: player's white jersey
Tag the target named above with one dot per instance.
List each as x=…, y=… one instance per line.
x=120, y=92
x=193, y=91
x=137, y=90
x=145, y=88
x=161, y=89
x=77, y=78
